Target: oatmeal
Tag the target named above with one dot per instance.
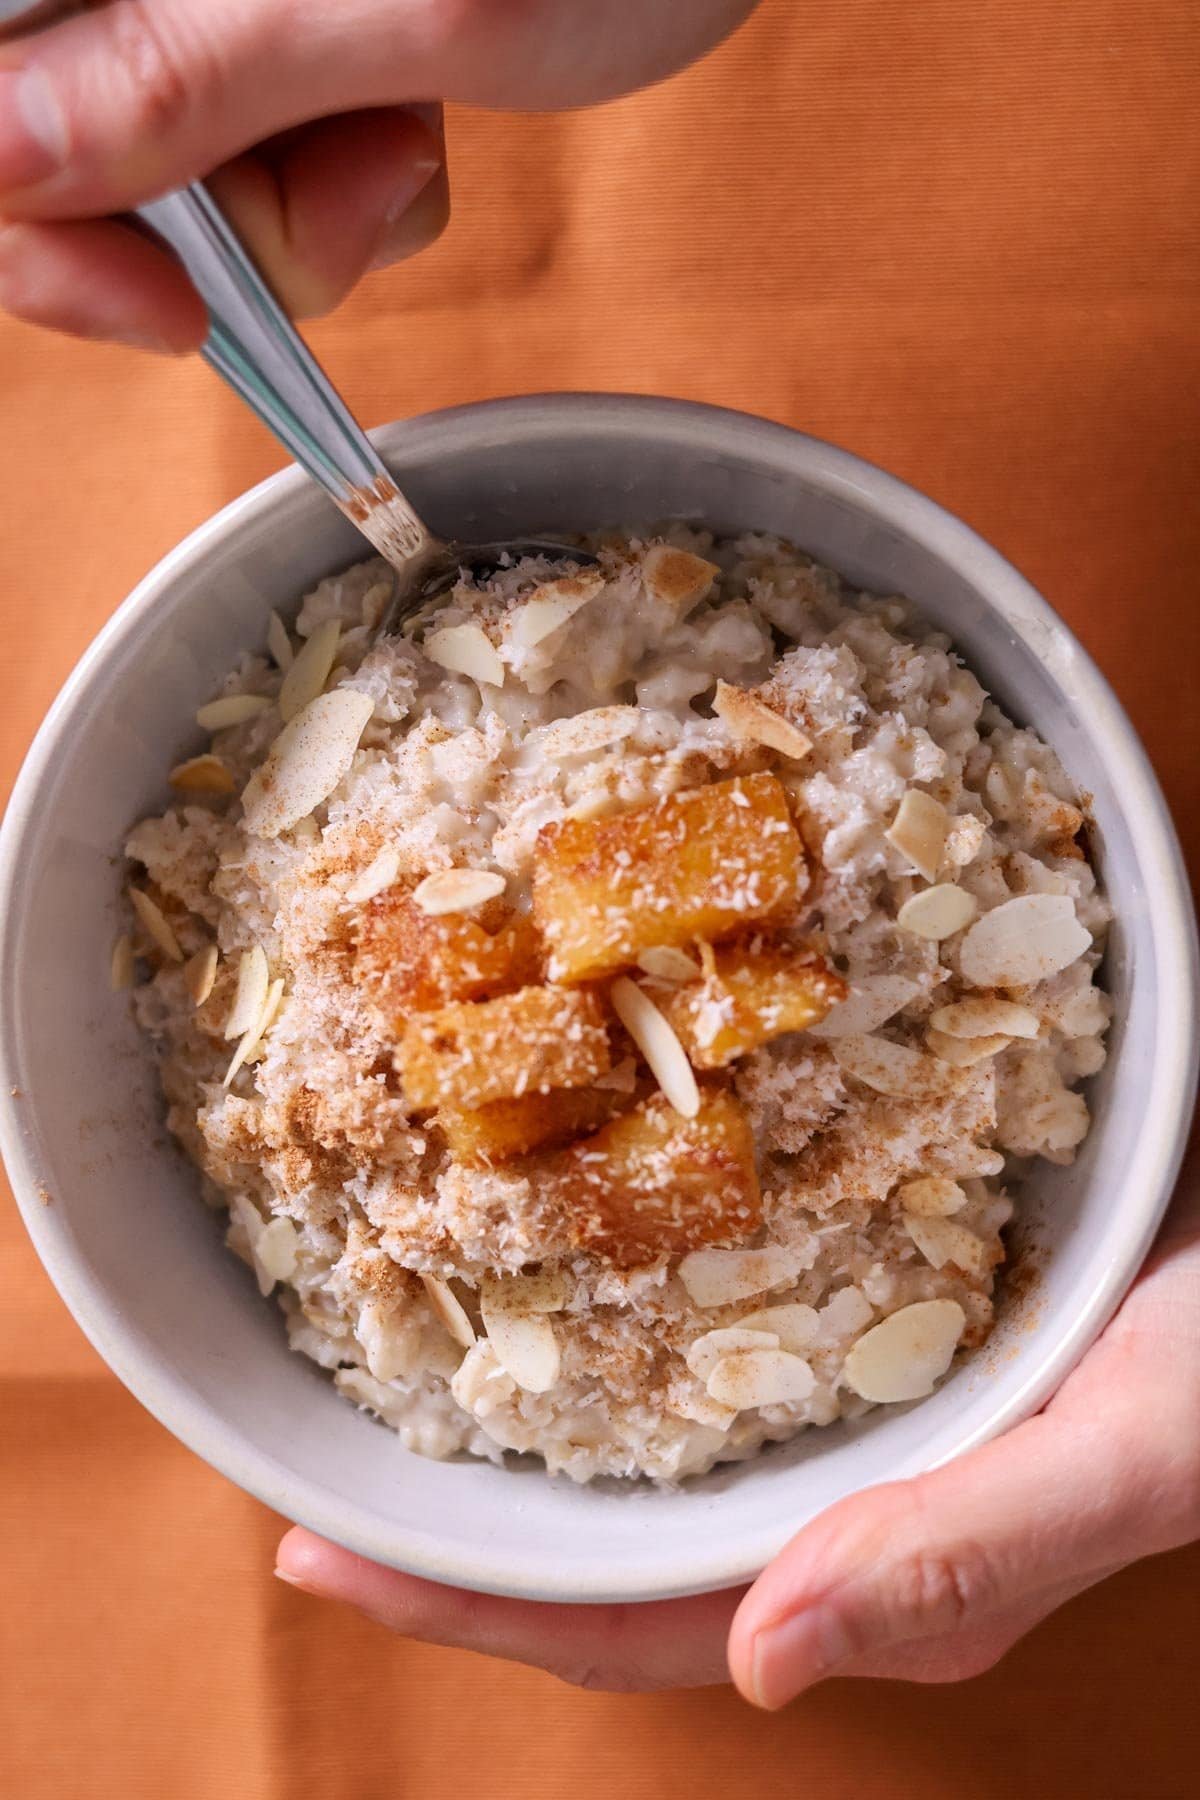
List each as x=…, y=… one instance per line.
x=617, y=1016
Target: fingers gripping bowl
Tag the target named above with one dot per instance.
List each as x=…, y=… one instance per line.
x=142, y=1265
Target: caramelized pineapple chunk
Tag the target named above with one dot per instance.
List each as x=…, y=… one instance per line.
x=505, y=1129
x=524, y=1043
x=652, y=1183
x=696, y=865
x=751, y=993
x=414, y=962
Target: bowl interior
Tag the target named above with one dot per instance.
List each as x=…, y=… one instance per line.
x=114, y=1209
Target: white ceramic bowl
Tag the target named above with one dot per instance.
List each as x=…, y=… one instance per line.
x=140, y=1261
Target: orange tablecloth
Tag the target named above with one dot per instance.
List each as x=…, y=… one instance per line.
x=962, y=240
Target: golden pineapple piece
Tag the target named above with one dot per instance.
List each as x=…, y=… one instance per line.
x=750, y=993
x=524, y=1043
x=651, y=1183
x=414, y=961
x=505, y=1129
x=700, y=864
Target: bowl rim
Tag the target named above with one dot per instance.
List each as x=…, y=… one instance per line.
x=692, y=1568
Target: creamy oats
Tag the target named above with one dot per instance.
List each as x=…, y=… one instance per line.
x=613, y=1017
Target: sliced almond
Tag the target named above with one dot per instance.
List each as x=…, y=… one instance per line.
x=872, y=1001
x=760, y=1378
x=662, y=962
x=583, y=733
x=793, y=1325
x=306, y=762
x=152, y=919
x=379, y=875
x=1023, y=941
x=704, y=1353
x=550, y=607
x=931, y=1197
x=905, y=1354
x=250, y=994
x=918, y=831
x=279, y=642
x=891, y=1068
x=937, y=912
x=985, y=1018
x=754, y=722
x=466, y=650
x=120, y=968
x=722, y=1277
x=545, y=1292
x=677, y=579
x=270, y=1012
x=964, y=1053
x=687, y=1403
x=525, y=1346
x=843, y=1314
x=310, y=669
x=664, y=1054
x=943, y=1241
x=276, y=1253
x=449, y=1310
x=231, y=709
x=199, y=974
x=457, y=890
x=201, y=775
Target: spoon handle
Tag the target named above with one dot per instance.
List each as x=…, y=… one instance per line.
x=253, y=345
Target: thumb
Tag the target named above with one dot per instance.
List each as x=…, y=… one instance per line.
x=955, y=1555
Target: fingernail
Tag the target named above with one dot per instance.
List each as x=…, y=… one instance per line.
x=795, y=1653
x=293, y=1581
x=417, y=176
x=33, y=128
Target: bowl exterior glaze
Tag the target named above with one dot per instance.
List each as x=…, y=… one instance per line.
x=113, y=1208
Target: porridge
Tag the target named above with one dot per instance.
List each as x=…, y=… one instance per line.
x=614, y=1015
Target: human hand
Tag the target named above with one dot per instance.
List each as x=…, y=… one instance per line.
x=926, y=1580
x=319, y=128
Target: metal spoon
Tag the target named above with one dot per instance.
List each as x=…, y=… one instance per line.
x=253, y=345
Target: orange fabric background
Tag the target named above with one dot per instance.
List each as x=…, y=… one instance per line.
x=961, y=240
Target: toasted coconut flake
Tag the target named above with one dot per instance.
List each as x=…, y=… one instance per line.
x=310, y=669
x=918, y=831
x=754, y=722
x=201, y=775
x=793, y=1325
x=760, y=1378
x=677, y=579
x=306, y=762
x=120, y=968
x=199, y=974
x=937, y=912
x=964, y=1053
x=722, y=1277
x=985, y=1017
x=704, y=1353
x=151, y=918
x=379, y=875
x=449, y=1310
x=905, y=1354
x=466, y=650
x=1023, y=941
x=545, y=1292
x=231, y=709
x=659, y=1045
x=457, y=890
x=891, y=1068
x=662, y=962
x=943, y=1241
x=873, y=1000
x=250, y=994
x=279, y=642
x=964, y=840
x=525, y=1347
x=931, y=1197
